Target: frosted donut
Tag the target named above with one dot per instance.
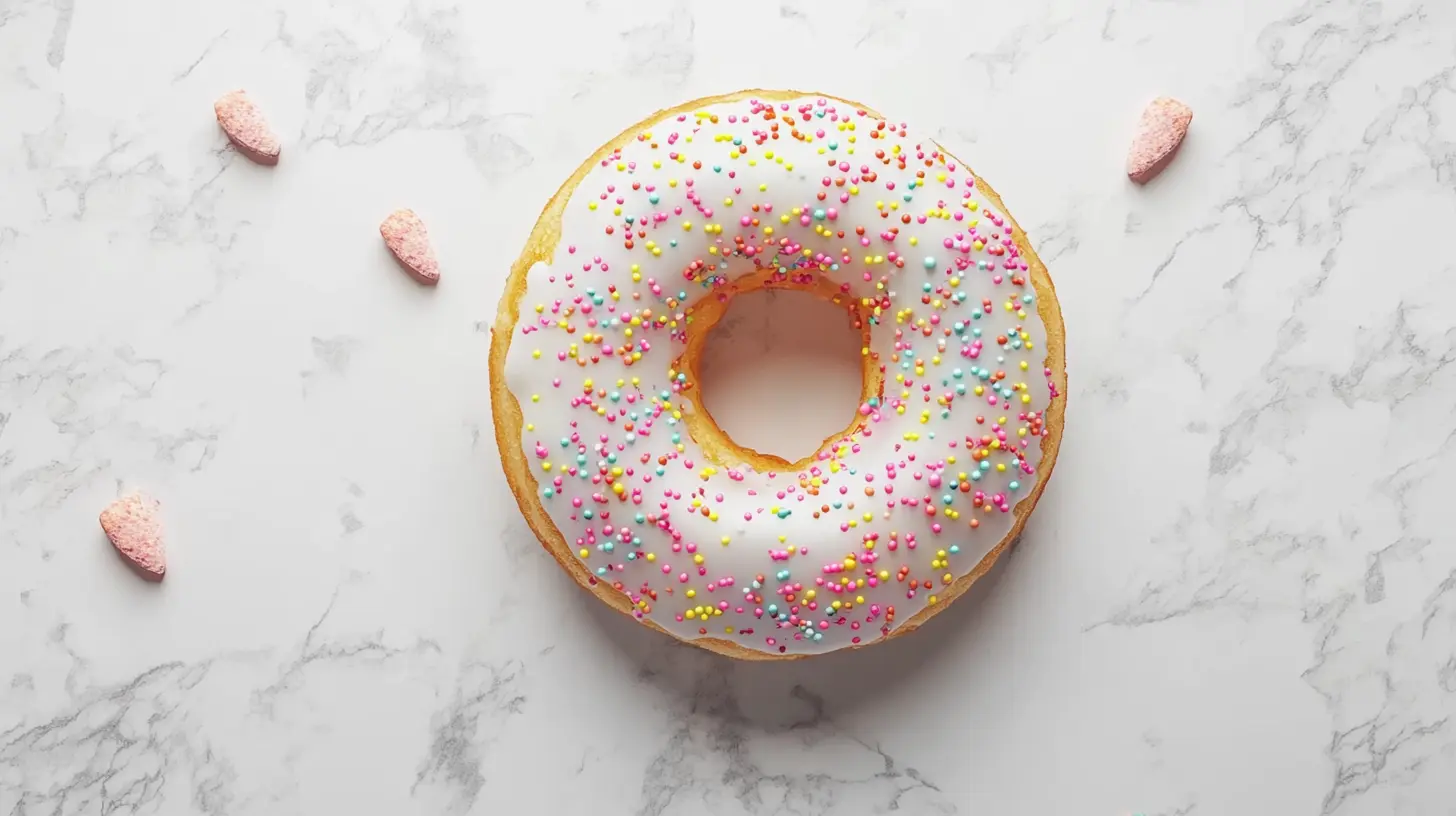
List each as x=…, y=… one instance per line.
x=625, y=478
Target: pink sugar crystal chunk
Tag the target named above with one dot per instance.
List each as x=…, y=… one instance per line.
x=132, y=524
x=245, y=126
x=405, y=235
x=1161, y=131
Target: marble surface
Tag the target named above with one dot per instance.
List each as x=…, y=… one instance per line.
x=1238, y=595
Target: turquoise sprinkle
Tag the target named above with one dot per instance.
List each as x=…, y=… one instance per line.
x=565, y=442
x=1015, y=485
x=833, y=145
x=639, y=518
x=975, y=475
x=612, y=458
x=654, y=198
x=954, y=548
x=608, y=547
x=737, y=142
x=985, y=465
x=614, y=396
x=947, y=498
x=773, y=609
x=601, y=571
x=631, y=556
x=782, y=575
x=929, y=262
x=819, y=215
x=588, y=513
x=549, y=492
x=818, y=636
x=1027, y=298
x=783, y=514
x=717, y=168
x=631, y=218
x=661, y=470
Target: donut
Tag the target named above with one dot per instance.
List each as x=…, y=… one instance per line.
x=622, y=473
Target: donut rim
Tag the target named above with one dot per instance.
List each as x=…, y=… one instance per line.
x=506, y=409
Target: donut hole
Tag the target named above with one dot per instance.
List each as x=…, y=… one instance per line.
x=781, y=372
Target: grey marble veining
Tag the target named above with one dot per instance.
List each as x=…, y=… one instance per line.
x=1238, y=595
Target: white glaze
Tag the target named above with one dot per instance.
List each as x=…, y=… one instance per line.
x=763, y=515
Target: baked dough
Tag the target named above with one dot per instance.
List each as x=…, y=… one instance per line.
x=623, y=475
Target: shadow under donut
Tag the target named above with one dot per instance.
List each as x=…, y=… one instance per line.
x=775, y=696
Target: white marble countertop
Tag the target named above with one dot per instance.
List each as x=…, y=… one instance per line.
x=1237, y=597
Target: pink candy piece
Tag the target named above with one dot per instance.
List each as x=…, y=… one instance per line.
x=1161, y=131
x=132, y=525
x=245, y=126
x=405, y=235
